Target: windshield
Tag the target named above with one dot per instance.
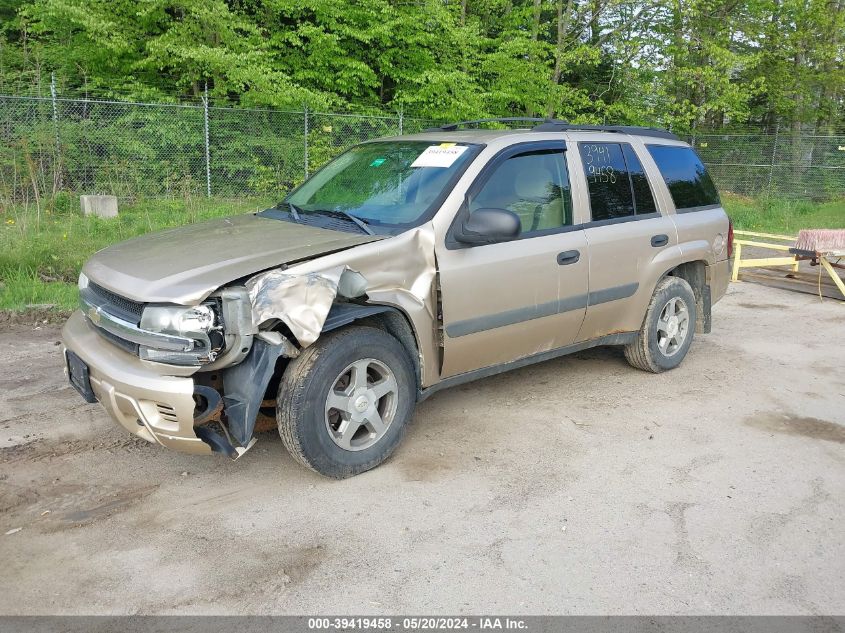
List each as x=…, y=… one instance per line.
x=392, y=183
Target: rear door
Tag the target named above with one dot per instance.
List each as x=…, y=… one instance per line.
x=505, y=301
x=626, y=232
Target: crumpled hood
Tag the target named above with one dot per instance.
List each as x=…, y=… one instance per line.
x=185, y=264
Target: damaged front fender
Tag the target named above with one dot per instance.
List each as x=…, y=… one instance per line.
x=399, y=272
x=393, y=275
x=301, y=301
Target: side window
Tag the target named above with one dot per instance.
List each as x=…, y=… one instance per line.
x=686, y=177
x=534, y=185
x=616, y=180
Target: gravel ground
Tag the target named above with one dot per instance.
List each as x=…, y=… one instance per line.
x=576, y=486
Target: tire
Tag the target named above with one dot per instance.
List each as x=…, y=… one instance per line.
x=368, y=375
x=654, y=350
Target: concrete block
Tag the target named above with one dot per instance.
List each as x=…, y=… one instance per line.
x=102, y=206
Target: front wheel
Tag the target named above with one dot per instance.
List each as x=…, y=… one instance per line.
x=668, y=328
x=344, y=403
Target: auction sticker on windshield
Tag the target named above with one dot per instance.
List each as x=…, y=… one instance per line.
x=442, y=155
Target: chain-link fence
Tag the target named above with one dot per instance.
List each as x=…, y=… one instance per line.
x=787, y=164
x=51, y=145
x=140, y=149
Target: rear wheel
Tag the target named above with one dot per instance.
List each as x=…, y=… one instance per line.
x=668, y=328
x=344, y=403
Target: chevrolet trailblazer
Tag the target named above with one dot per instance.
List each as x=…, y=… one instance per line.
x=404, y=266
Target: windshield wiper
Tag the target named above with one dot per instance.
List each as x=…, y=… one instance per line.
x=293, y=210
x=345, y=214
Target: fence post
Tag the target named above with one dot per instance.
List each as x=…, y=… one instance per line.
x=57, y=174
x=207, y=148
x=305, y=111
x=401, y=117
x=774, y=155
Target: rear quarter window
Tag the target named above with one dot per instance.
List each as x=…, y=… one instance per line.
x=686, y=177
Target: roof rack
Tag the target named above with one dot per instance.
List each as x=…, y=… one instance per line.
x=551, y=125
x=556, y=125
x=451, y=127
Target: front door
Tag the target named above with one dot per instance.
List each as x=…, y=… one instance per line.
x=502, y=302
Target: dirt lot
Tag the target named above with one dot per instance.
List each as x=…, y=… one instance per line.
x=575, y=486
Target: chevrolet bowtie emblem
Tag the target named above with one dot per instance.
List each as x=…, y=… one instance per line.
x=94, y=315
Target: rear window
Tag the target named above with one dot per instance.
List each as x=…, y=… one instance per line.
x=685, y=175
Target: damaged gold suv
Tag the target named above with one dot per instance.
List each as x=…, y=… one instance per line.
x=406, y=265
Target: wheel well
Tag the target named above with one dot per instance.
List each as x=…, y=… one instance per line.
x=395, y=323
x=391, y=320
x=695, y=274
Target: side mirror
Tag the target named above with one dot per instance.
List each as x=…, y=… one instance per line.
x=488, y=226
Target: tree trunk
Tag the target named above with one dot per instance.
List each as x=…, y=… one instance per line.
x=827, y=90
x=563, y=12
x=797, y=113
x=678, y=45
x=595, y=28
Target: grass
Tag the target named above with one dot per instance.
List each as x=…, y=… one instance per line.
x=40, y=258
x=786, y=217
x=41, y=254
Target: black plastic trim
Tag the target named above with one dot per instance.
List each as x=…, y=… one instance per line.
x=451, y=127
x=704, y=207
x=633, y=130
x=556, y=125
x=77, y=374
x=244, y=385
x=567, y=258
x=342, y=314
x=538, y=311
x=217, y=442
x=606, y=295
x=622, y=220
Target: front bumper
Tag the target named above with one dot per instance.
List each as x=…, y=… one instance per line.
x=154, y=407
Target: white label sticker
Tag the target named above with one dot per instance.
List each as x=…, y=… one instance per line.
x=442, y=155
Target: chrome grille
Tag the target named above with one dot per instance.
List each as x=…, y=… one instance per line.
x=115, y=304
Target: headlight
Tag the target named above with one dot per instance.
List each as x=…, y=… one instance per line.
x=199, y=323
x=83, y=281
x=178, y=320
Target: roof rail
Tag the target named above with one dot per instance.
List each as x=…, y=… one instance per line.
x=556, y=125
x=563, y=126
x=451, y=127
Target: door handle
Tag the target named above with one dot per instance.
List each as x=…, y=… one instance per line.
x=568, y=257
x=659, y=240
